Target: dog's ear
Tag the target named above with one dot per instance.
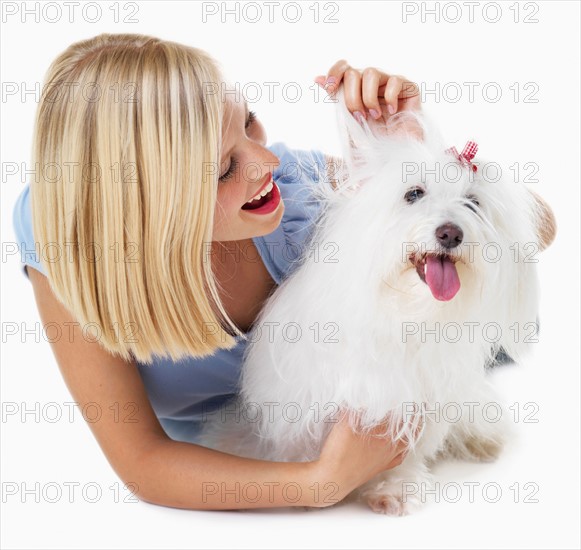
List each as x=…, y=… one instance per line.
x=352, y=135
x=405, y=125
x=545, y=222
x=357, y=138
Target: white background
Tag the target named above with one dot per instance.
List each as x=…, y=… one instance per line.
x=546, y=132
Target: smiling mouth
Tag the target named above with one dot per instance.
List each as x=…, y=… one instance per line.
x=261, y=198
x=439, y=272
x=266, y=201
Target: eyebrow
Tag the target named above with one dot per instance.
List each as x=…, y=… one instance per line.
x=246, y=111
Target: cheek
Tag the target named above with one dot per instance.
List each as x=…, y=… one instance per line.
x=229, y=199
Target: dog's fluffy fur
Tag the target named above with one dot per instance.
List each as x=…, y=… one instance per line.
x=374, y=353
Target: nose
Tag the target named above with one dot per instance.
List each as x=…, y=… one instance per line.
x=449, y=235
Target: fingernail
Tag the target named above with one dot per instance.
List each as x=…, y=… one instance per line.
x=374, y=113
x=358, y=116
x=330, y=81
x=391, y=109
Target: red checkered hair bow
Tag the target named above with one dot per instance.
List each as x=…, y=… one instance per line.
x=466, y=156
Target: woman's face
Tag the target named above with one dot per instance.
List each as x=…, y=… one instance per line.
x=246, y=168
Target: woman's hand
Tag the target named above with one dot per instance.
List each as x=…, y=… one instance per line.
x=350, y=459
x=371, y=92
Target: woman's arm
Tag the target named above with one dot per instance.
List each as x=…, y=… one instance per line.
x=185, y=475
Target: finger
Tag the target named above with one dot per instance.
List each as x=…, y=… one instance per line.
x=409, y=427
x=350, y=419
x=420, y=421
x=335, y=76
x=417, y=417
x=342, y=415
x=320, y=80
x=412, y=103
x=391, y=93
x=372, y=79
x=405, y=453
x=395, y=461
x=409, y=89
x=352, y=91
x=409, y=95
x=401, y=455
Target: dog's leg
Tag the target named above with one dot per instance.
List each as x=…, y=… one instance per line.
x=474, y=446
x=399, y=491
x=480, y=437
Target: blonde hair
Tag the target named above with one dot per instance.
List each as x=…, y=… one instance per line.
x=129, y=123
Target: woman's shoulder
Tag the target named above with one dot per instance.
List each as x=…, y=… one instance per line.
x=297, y=166
x=28, y=248
x=298, y=177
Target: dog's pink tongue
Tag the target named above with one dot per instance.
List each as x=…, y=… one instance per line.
x=442, y=277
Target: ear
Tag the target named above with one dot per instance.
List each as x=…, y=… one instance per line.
x=358, y=139
x=405, y=125
x=545, y=222
x=352, y=135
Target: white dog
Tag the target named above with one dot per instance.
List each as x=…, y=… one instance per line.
x=435, y=271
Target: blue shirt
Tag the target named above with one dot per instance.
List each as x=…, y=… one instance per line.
x=183, y=390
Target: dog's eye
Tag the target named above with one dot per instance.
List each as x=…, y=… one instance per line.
x=414, y=195
x=473, y=202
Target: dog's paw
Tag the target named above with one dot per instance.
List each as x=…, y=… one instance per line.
x=389, y=499
x=389, y=505
x=392, y=504
x=399, y=491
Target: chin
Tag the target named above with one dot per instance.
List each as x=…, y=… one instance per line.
x=264, y=224
x=434, y=275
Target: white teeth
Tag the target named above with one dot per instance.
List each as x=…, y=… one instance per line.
x=267, y=189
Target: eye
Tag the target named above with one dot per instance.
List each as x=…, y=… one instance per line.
x=473, y=202
x=251, y=119
x=414, y=195
x=234, y=163
x=230, y=172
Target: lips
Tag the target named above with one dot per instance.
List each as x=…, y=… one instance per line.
x=265, y=182
x=265, y=204
x=439, y=272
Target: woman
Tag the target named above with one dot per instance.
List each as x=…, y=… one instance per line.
x=144, y=178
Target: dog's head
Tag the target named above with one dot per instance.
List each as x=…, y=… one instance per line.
x=429, y=226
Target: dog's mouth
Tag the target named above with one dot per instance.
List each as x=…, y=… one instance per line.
x=439, y=272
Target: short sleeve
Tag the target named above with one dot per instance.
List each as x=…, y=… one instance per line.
x=297, y=177
x=28, y=249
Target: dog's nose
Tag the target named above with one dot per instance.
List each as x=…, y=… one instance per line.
x=449, y=235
